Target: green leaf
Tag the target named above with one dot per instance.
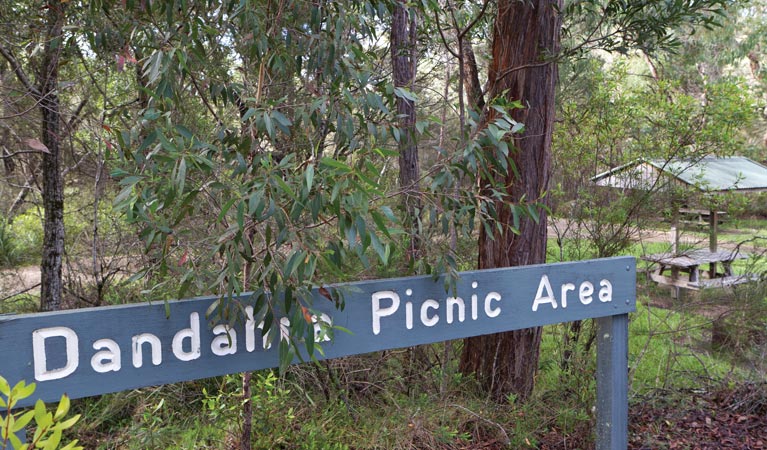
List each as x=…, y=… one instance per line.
x=42, y=418
x=309, y=177
x=23, y=390
x=395, y=133
x=212, y=308
x=421, y=126
x=69, y=423
x=351, y=236
x=226, y=207
x=23, y=420
x=184, y=131
x=167, y=145
x=248, y=114
x=71, y=446
x=269, y=125
x=382, y=251
x=293, y=262
x=335, y=164
x=148, y=140
x=181, y=175
x=516, y=212
x=286, y=188
x=5, y=388
x=402, y=92
x=53, y=440
x=8, y=424
x=131, y=180
x=152, y=66
x=534, y=213
x=286, y=354
x=281, y=120
x=15, y=441
x=380, y=223
x=388, y=213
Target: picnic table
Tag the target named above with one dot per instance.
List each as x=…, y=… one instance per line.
x=701, y=216
x=683, y=270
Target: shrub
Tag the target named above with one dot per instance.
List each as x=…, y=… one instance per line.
x=21, y=241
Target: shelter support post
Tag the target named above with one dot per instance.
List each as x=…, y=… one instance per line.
x=713, y=223
x=675, y=231
x=612, y=382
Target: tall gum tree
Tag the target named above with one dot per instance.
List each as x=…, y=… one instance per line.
x=45, y=92
x=526, y=38
x=404, y=63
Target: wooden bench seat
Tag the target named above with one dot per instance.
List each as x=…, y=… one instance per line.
x=720, y=282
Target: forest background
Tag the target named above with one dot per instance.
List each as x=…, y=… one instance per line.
x=167, y=149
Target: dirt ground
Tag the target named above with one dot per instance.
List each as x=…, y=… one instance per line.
x=19, y=280
x=725, y=418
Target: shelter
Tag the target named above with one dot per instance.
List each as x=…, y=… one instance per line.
x=709, y=175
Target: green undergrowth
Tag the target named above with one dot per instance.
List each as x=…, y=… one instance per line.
x=411, y=398
x=672, y=349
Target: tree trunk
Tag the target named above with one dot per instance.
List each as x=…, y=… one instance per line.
x=525, y=40
x=471, y=81
x=403, y=54
x=53, y=182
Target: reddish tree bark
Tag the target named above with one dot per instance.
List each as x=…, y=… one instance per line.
x=525, y=42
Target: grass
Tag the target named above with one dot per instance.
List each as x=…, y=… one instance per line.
x=671, y=349
x=393, y=400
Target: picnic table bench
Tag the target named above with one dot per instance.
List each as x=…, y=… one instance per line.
x=683, y=270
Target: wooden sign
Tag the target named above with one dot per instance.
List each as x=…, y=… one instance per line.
x=94, y=351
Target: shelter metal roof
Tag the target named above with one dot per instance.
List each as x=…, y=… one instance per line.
x=708, y=174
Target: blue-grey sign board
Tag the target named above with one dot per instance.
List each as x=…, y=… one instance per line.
x=99, y=350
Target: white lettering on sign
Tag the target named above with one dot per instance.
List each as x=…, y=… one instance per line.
x=321, y=325
x=489, y=310
x=225, y=342
x=155, y=347
x=107, y=359
x=379, y=312
x=545, y=294
x=193, y=335
x=384, y=304
x=396, y=310
x=425, y=319
x=40, y=357
x=606, y=293
x=185, y=346
x=585, y=292
x=453, y=302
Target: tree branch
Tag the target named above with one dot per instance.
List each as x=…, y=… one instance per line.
x=511, y=70
x=75, y=119
x=475, y=20
x=442, y=36
x=19, y=71
x=19, y=152
x=204, y=99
